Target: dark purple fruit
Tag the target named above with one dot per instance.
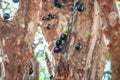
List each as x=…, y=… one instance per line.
x=48, y=26
x=63, y=36
x=58, y=42
x=15, y=1
x=30, y=71
x=44, y=18
x=48, y=18
x=78, y=46
x=57, y=3
x=79, y=6
x=51, y=16
x=51, y=77
x=56, y=49
x=6, y=15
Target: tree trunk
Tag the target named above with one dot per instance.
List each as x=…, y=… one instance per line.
x=16, y=39
x=92, y=27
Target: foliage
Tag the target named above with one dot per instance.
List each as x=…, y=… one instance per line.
x=39, y=52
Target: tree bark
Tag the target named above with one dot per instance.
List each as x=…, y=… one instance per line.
x=16, y=39
x=96, y=28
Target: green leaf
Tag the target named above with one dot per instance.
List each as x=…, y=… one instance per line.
x=66, y=31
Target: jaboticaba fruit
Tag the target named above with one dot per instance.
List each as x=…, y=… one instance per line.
x=48, y=26
x=44, y=18
x=58, y=42
x=56, y=49
x=15, y=1
x=51, y=16
x=57, y=3
x=63, y=36
x=6, y=15
x=78, y=46
x=51, y=77
x=79, y=6
x=30, y=71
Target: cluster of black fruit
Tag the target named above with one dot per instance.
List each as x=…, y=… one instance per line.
x=49, y=16
x=58, y=43
x=78, y=5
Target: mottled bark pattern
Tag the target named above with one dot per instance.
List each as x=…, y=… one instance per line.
x=99, y=16
x=17, y=38
x=112, y=33
x=87, y=29
x=92, y=28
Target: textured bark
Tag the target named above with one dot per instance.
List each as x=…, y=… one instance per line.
x=97, y=28
x=112, y=33
x=16, y=38
x=92, y=27
x=87, y=28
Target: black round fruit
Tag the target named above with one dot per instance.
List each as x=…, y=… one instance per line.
x=57, y=3
x=63, y=36
x=30, y=71
x=79, y=6
x=48, y=18
x=51, y=16
x=56, y=49
x=48, y=26
x=6, y=15
x=58, y=42
x=51, y=77
x=78, y=46
x=44, y=18
x=15, y=1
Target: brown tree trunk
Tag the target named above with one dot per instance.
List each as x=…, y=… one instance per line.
x=92, y=27
x=16, y=39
